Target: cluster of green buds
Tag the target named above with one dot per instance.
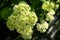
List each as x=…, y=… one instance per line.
x=47, y=6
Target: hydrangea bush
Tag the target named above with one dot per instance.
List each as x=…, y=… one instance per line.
x=29, y=17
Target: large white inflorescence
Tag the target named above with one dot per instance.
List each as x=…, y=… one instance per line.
x=22, y=19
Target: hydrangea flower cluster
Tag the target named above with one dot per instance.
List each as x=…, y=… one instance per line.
x=42, y=27
x=22, y=19
x=47, y=6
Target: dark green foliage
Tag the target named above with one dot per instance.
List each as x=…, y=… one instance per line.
x=5, y=12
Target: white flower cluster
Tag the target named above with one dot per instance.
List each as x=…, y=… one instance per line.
x=42, y=27
x=50, y=15
x=50, y=7
x=23, y=20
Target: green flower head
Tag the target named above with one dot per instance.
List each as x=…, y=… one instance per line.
x=23, y=20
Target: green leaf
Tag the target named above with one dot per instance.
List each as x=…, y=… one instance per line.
x=5, y=12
